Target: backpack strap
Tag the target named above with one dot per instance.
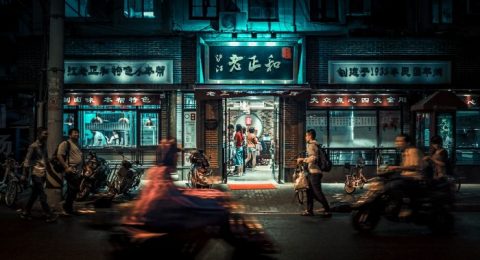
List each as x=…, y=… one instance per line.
x=67, y=152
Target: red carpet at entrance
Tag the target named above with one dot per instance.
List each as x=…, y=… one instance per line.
x=251, y=186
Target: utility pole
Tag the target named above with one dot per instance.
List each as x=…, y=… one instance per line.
x=55, y=95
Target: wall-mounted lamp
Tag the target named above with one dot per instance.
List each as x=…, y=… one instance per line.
x=234, y=35
x=254, y=35
x=273, y=35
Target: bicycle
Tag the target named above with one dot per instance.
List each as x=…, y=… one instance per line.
x=354, y=179
x=11, y=184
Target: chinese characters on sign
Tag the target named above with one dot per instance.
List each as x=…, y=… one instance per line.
x=355, y=100
x=389, y=72
x=119, y=72
x=113, y=99
x=219, y=94
x=251, y=63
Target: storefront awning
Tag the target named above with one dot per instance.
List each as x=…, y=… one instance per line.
x=232, y=91
x=440, y=100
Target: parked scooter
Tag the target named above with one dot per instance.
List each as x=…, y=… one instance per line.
x=200, y=171
x=94, y=176
x=127, y=178
x=419, y=202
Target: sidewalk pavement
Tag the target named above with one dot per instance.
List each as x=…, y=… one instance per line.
x=282, y=199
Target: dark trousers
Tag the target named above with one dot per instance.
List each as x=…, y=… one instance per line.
x=38, y=192
x=73, y=183
x=315, y=192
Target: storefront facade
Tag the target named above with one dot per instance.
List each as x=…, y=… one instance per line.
x=122, y=105
x=256, y=84
x=364, y=92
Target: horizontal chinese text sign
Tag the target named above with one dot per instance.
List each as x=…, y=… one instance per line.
x=252, y=63
x=389, y=72
x=119, y=72
x=114, y=99
x=356, y=100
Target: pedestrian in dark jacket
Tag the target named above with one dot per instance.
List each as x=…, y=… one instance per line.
x=36, y=164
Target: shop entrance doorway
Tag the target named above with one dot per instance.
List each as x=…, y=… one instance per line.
x=256, y=160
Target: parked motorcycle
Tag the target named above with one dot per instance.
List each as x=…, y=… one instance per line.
x=198, y=176
x=127, y=178
x=419, y=202
x=94, y=176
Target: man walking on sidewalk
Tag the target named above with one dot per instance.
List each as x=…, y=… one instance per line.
x=36, y=164
x=314, y=176
x=71, y=157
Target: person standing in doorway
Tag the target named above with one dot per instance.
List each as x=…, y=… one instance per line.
x=251, y=148
x=238, y=139
x=71, y=157
x=314, y=177
x=36, y=164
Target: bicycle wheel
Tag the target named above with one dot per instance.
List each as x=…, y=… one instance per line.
x=349, y=187
x=11, y=193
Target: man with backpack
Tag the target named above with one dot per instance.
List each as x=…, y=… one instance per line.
x=314, y=176
x=70, y=156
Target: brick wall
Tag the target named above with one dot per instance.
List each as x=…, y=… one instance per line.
x=29, y=61
x=179, y=49
x=294, y=118
x=212, y=137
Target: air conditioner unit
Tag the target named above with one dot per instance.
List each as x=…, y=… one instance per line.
x=232, y=21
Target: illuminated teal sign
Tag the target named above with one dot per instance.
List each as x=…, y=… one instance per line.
x=119, y=72
x=251, y=62
x=389, y=72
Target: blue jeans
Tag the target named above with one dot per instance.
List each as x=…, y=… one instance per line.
x=238, y=159
x=315, y=192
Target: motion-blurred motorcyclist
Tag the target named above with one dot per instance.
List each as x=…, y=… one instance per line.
x=162, y=205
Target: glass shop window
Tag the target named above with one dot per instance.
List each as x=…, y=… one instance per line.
x=422, y=133
x=76, y=8
x=324, y=10
x=389, y=127
x=139, y=8
x=349, y=128
x=468, y=137
x=101, y=128
x=68, y=123
x=203, y=9
x=149, y=129
x=263, y=10
x=317, y=120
